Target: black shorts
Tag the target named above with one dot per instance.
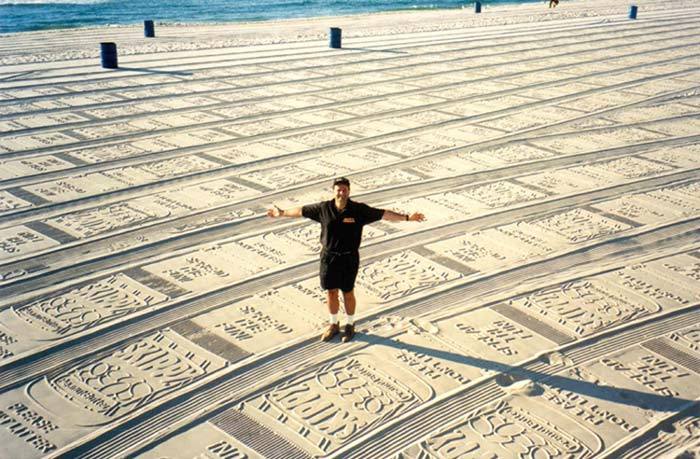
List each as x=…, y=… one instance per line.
x=339, y=270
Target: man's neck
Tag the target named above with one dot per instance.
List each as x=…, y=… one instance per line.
x=340, y=204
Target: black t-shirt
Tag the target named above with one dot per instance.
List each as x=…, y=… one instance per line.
x=342, y=231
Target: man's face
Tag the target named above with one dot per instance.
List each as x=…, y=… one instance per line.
x=341, y=192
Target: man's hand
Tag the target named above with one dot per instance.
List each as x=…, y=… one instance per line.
x=393, y=216
x=416, y=217
x=294, y=212
x=275, y=212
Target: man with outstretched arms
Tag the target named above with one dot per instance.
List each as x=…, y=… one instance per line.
x=341, y=221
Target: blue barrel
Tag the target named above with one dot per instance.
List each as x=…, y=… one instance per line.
x=477, y=7
x=108, y=54
x=148, y=29
x=334, y=41
x=633, y=12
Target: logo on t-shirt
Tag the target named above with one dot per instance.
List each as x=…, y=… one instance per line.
x=348, y=220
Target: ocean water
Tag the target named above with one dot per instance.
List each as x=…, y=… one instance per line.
x=25, y=15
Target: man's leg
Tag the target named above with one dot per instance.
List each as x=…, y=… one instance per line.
x=349, y=301
x=333, y=301
x=333, y=306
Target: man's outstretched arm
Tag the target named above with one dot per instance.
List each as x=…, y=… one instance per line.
x=275, y=212
x=397, y=217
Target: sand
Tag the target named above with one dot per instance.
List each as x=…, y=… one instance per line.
x=547, y=307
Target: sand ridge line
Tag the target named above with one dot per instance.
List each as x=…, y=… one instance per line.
x=322, y=91
x=474, y=38
x=456, y=120
x=652, y=442
x=381, y=24
x=125, y=442
x=456, y=405
x=508, y=171
x=378, y=251
x=473, y=176
x=529, y=131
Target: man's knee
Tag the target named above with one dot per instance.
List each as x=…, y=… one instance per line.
x=332, y=294
x=350, y=294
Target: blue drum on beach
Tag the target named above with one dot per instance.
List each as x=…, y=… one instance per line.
x=633, y=12
x=108, y=54
x=477, y=7
x=148, y=29
x=335, y=34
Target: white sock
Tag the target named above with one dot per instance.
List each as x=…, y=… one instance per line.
x=350, y=319
x=334, y=318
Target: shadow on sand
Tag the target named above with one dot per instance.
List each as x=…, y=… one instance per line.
x=157, y=72
x=391, y=51
x=511, y=374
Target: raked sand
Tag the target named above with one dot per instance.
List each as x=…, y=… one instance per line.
x=548, y=307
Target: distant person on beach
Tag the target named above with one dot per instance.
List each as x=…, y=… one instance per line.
x=341, y=222
x=553, y=3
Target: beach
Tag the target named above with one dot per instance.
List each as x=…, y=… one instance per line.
x=549, y=306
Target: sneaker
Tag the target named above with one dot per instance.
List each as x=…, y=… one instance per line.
x=331, y=331
x=348, y=333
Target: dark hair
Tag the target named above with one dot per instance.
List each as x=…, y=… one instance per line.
x=341, y=181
